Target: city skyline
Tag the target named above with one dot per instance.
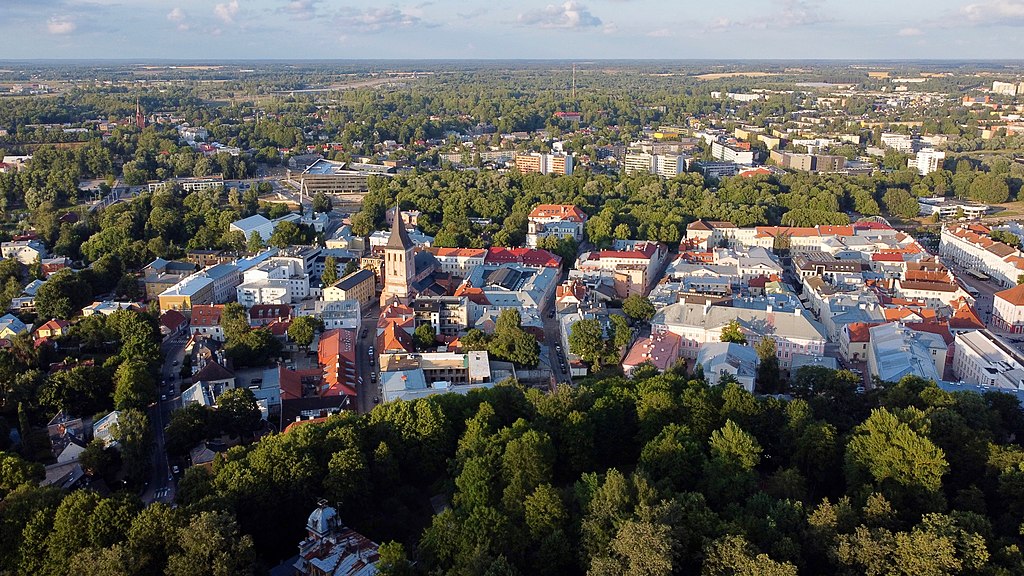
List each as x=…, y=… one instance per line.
x=531, y=29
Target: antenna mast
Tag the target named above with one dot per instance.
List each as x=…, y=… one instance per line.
x=574, y=82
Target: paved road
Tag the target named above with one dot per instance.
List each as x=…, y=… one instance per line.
x=368, y=391
x=984, y=300
x=162, y=484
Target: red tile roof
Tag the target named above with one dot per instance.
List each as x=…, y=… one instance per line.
x=565, y=212
x=1014, y=296
x=524, y=256
x=206, y=315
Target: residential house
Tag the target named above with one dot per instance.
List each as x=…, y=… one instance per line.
x=721, y=359
x=25, y=251
x=660, y=349
x=982, y=358
x=11, y=326
x=559, y=220
x=360, y=286
x=206, y=321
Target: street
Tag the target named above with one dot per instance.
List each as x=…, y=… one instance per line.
x=367, y=390
x=161, y=485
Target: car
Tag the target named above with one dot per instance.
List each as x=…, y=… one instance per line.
x=163, y=396
x=860, y=390
x=365, y=332
x=551, y=314
x=175, y=470
x=373, y=378
x=376, y=399
x=175, y=363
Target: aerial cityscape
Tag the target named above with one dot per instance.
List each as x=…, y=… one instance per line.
x=358, y=312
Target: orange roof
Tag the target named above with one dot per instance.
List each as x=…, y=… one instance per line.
x=394, y=339
x=562, y=211
x=459, y=252
x=964, y=316
x=206, y=314
x=836, y=230
x=859, y=331
x=1014, y=295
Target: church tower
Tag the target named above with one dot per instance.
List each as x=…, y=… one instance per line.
x=399, y=264
x=140, y=118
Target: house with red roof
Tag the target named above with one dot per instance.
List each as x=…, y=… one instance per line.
x=206, y=321
x=660, y=349
x=1008, y=310
x=337, y=357
x=559, y=220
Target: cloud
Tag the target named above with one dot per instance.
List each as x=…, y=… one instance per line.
x=995, y=13
x=660, y=33
x=60, y=25
x=787, y=14
x=910, y=32
x=300, y=9
x=570, y=15
x=226, y=11
x=179, y=17
x=377, y=19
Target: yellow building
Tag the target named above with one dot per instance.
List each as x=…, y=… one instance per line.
x=359, y=285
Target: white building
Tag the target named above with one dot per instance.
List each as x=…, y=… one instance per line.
x=971, y=248
x=793, y=332
x=927, y=161
x=719, y=359
x=899, y=142
x=276, y=281
x=896, y=351
x=558, y=220
x=459, y=261
x=664, y=165
x=981, y=358
x=728, y=153
x=24, y=251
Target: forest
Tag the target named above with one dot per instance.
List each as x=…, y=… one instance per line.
x=656, y=475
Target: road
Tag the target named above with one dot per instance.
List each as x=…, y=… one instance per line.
x=986, y=290
x=162, y=485
x=553, y=339
x=367, y=391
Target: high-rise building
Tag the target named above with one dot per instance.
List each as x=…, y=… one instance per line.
x=536, y=163
x=927, y=161
x=664, y=165
x=1005, y=88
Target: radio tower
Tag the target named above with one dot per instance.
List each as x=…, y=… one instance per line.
x=574, y=83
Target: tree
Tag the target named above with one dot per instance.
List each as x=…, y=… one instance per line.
x=62, y=295
x=211, y=546
x=424, y=337
x=134, y=437
x=586, y=340
x=321, y=202
x=989, y=188
x=638, y=308
x=898, y=202
x=255, y=243
x=187, y=428
x=768, y=377
x=1005, y=237
x=134, y=385
x=734, y=556
x=886, y=449
x=622, y=334
x=286, y=234
x=733, y=332
x=302, y=330
x=238, y=411
x=350, y=267
x=330, y=275
x=510, y=342
x=234, y=320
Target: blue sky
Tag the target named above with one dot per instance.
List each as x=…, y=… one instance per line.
x=577, y=29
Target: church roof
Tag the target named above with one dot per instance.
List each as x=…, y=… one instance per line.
x=399, y=236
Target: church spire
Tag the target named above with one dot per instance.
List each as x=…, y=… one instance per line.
x=399, y=239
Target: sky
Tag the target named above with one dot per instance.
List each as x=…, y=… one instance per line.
x=511, y=29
